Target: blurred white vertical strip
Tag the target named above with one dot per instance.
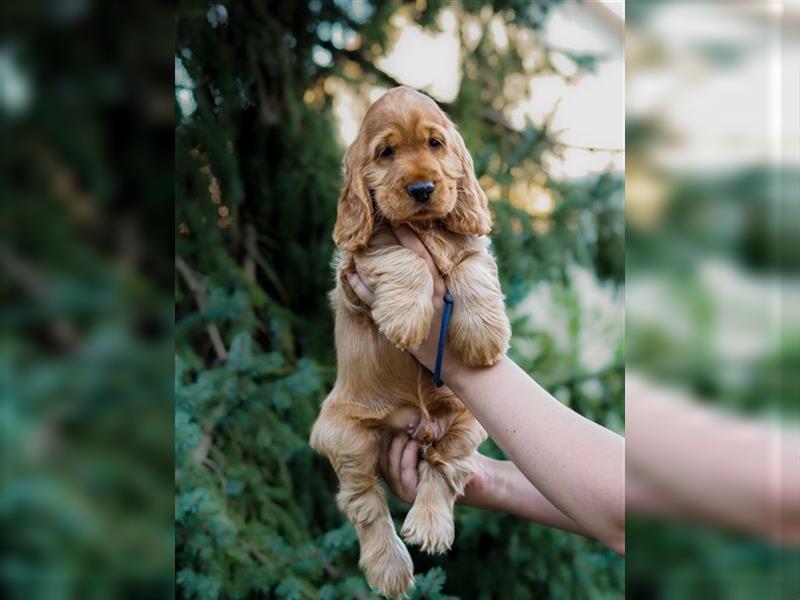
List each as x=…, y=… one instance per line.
x=712, y=292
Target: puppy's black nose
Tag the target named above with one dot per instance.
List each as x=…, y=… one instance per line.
x=421, y=190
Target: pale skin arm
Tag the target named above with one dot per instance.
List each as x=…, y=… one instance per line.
x=721, y=469
x=577, y=466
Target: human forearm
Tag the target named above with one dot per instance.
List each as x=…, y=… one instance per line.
x=576, y=464
x=726, y=470
x=499, y=485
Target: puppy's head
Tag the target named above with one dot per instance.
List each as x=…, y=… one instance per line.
x=409, y=164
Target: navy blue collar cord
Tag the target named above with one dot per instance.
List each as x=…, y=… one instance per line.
x=446, y=314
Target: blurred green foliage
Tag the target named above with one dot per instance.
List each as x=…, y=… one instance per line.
x=86, y=433
x=712, y=225
x=257, y=178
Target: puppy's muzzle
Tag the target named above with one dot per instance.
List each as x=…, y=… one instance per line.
x=421, y=190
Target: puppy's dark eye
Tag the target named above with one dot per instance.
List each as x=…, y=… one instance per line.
x=386, y=153
x=434, y=143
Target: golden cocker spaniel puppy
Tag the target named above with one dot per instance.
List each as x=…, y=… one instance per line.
x=407, y=165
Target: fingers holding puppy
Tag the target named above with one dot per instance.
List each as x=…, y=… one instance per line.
x=362, y=290
x=399, y=464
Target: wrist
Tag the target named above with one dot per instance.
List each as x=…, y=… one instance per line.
x=461, y=378
x=486, y=484
x=451, y=362
x=452, y=368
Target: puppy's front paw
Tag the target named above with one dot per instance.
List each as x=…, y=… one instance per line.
x=481, y=343
x=389, y=569
x=429, y=526
x=405, y=329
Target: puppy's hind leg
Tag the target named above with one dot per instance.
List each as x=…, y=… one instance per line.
x=353, y=450
x=444, y=473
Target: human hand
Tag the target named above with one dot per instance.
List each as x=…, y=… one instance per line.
x=426, y=352
x=399, y=465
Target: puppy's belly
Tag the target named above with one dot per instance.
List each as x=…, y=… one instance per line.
x=403, y=418
x=422, y=427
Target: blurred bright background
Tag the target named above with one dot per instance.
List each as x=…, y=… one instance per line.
x=712, y=211
x=269, y=96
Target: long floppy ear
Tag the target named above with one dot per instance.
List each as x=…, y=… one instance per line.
x=354, y=214
x=471, y=215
